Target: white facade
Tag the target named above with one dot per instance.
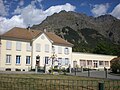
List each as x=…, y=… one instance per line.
x=92, y=61
x=44, y=49
x=21, y=55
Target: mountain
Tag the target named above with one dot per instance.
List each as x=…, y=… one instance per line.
x=85, y=32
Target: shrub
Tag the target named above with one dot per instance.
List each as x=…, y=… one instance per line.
x=115, y=65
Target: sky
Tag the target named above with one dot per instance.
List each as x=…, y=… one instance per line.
x=24, y=13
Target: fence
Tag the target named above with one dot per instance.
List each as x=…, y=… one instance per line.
x=17, y=83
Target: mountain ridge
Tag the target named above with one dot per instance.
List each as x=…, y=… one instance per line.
x=77, y=27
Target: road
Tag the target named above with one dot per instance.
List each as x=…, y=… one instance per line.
x=97, y=74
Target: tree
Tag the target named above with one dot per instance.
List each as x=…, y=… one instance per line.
x=106, y=48
x=115, y=65
x=103, y=48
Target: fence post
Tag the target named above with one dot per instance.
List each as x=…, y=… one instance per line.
x=88, y=72
x=101, y=86
x=36, y=69
x=75, y=71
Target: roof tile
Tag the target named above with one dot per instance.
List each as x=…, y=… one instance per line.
x=25, y=34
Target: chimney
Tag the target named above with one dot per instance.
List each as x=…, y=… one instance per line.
x=28, y=28
x=45, y=30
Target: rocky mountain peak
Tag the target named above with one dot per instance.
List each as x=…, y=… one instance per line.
x=105, y=25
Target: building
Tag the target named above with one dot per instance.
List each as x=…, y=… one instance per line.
x=24, y=49
x=92, y=61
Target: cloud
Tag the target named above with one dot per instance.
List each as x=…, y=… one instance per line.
x=57, y=9
x=30, y=15
x=7, y=24
x=116, y=11
x=100, y=9
x=3, y=11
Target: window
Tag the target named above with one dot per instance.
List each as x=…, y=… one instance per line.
x=28, y=47
x=101, y=63
x=66, y=51
x=59, y=61
x=27, y=59
x=46, y=60
x=66, y=61
x=42, y=37
x=74, y=64
x=18, y=59
x=8, y=45
x=59, y=50
x=89, y=62
x=95, y=63
x=53, y=49
x=18, y=46
x=8, y=59
x=106, y=63
x=38, y=47
x=63, y=61
x=46, y=48
x=82, y=63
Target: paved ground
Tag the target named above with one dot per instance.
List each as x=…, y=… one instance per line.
x=98, y=74
x=17, y=72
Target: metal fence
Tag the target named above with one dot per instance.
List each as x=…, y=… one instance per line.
x=17, y=83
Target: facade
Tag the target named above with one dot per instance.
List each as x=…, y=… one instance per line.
x=24, y=49
x=92, y=61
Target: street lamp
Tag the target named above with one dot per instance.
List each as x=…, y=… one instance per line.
x=37, y=63
x=53, y=58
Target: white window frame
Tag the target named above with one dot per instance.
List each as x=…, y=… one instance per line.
x=89, y=62
x=28, y=59
x=66, y=50
x=46, y=60
x=18, y=57
x=59, y=61
x=83, y=63
x=18, y=46
x=28, y=47
x=59, y=50
x=8, y=45
x=8, y=59
x=47, y=47
x=66, y=61
x=100, y=63
x=53, y=49
x=106, y=63
x=38, y=47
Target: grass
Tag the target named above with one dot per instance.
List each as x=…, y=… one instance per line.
x=52, y=82
x=46, y=76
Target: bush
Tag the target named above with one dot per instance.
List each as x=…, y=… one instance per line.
x=115, y=65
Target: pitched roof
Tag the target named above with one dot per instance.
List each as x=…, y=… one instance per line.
x=57, y=40
x=21, y=33
x=24, y=34
x=115, y=59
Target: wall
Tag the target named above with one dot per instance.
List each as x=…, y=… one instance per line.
x=43, y=41
x=86, y=56
x=13, y=54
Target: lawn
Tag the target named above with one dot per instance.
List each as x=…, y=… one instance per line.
x=53, y=82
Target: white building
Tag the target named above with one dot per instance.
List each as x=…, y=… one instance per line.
x=92, y=61
x=23, y=49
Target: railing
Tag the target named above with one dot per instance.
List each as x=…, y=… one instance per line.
x=17, y=83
